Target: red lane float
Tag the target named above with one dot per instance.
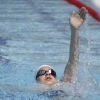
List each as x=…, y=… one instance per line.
x=91, y=11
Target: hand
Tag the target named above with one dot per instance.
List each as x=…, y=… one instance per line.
x=77, y=19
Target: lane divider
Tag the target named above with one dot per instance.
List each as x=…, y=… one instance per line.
x=91, y=11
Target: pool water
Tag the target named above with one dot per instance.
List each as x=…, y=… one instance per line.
x=37, y=32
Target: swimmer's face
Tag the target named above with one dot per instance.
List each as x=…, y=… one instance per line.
x=47, y=78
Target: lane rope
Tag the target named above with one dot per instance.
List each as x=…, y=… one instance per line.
x=91, y=11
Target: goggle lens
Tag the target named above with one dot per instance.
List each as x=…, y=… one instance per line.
x=42, y=72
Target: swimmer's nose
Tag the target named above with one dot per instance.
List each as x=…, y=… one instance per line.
x=47, y=73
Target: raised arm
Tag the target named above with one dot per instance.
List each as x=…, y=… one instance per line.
x=76, y=20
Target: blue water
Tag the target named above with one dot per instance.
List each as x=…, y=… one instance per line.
x=36, y=32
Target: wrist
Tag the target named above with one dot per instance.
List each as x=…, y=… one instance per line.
x=73, y=28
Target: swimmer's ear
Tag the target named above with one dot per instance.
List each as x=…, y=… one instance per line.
x=37, y=79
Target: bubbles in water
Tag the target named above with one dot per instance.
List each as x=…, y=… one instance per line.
x=87, y=84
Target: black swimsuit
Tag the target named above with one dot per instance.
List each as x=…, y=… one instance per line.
x=53, y=93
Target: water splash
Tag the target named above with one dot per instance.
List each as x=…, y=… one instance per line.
x=88, y=84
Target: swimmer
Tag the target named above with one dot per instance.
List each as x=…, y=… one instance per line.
x=45, y=73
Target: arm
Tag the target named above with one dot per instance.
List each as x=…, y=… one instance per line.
x=76, y=21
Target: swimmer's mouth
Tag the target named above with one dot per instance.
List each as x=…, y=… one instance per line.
x=48, y=78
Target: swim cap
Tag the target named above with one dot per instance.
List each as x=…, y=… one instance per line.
x=42, y=67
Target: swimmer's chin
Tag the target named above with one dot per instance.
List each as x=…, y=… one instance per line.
x=51, y=84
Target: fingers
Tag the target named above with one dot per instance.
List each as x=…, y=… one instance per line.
x=73, y=13
x=82, y=13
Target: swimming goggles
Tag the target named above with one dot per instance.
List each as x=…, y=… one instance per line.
x=43, y=72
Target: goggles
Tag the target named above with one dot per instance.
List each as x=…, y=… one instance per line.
x=43, y=72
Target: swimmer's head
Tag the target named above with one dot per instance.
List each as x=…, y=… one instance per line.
x=46, y=75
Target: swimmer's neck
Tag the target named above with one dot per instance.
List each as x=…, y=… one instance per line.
x=53, y=85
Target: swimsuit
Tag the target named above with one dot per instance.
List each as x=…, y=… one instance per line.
x=53, y=93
